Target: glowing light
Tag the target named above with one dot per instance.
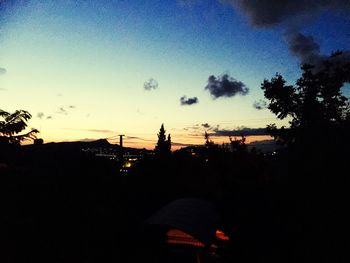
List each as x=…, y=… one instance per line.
x=221, y=235
x=175, y=236
x=127, y=164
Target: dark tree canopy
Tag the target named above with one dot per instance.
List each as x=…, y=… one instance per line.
x=14, y=123
x=315, y=102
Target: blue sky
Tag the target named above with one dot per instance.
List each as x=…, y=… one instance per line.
x=79, y=67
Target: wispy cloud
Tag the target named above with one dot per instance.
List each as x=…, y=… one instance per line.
x=225, y=86
x=179, y=144
x=40, y=115
x=62, y=110
x=192, y=127
x=138, y=138
x=2, y=70
x=150, y=84
x=91, y=130
x=188, y=101
x=140, y=112
x=260, y=105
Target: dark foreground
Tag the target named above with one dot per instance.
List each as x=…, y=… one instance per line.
x=69, y=207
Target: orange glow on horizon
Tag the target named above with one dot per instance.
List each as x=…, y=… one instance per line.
x=178, y=142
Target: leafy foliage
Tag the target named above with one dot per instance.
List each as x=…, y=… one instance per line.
x=315, y=102
x=14, y=123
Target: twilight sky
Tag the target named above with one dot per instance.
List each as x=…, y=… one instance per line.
x=90, y=69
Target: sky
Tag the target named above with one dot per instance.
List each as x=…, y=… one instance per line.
x=91, y=69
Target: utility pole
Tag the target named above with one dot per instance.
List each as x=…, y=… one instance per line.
x=121, y=140
x=121, y=150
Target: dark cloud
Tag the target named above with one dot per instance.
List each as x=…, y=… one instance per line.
x=150, y=84
x=260, y=105
x=240, y=132
x=188, y=101
x=269, y=13
x=72, y=106
x=3, y=70
x=49, y=117
x=293, y=15
x=225, y=86
x=308, y=51
x=304, y=47
x=206, y=125
x=40, y=115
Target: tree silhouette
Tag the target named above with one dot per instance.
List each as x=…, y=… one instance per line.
x=208, y=142
x=163, y=146
x=314, y=104
x=168, y=142
x=238, y=145
x=14, y=123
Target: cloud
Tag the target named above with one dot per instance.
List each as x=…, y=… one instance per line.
x=61, y=110
x=2, y=70
x=304, y=47
x=269, y=13
x=40, y=115
x=150, y=84
x=292, y=15
x=91, y=130
x=206, y=125
x=193, y=127
x=240, y=131
x=308, y=51
x=138, y=138
x=179, y=144
x=225, y=86
x=72, y=106
x=99, y=130
x=260, y=105
x=188, y=101
x=87, y=140
x=49, y=117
